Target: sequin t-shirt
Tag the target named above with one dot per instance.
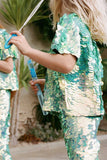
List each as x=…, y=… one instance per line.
x=78, y=92
x=8, y=81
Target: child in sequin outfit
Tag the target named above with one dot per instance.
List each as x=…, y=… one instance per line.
x=8, y=84
x=74, y=72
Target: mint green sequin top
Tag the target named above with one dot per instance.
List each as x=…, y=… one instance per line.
x=8, y=81
x=78, y=92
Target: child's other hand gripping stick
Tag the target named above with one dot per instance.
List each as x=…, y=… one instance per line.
x=33, y=83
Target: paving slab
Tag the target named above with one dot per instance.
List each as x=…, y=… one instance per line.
x=50, y=151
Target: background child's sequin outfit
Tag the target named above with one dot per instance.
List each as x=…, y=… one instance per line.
x=8, y=83
x=76, y=95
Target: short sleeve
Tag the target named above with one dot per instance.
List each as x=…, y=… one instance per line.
x=67, y=37
x=5, y=53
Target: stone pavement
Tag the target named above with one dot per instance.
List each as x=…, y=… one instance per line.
x=50, y=151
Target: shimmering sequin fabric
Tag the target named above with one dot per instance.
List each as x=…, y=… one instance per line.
x=8, y=81
x=78, y=92
x=80, y=136
x=4, y=124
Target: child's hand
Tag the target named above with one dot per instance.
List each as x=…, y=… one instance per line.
x=20, y=42
x=41, y=82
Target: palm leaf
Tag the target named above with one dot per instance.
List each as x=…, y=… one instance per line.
x=16, y=12
x=24, y=75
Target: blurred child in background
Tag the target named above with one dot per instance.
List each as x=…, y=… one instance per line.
x=8, y=85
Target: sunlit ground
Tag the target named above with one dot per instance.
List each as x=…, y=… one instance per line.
x=50, y=151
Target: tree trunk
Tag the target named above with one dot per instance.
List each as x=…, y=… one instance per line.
x=15, y=108
x=15, y=111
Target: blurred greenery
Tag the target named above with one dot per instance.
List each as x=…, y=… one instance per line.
x=39, y=132
x=41, y=71
x=15, y=12
x=45, y=25
x=51, y=118
x=104, y=62
x=24, y=76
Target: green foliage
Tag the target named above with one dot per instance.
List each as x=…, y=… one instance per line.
x=104, y=62
x=51, y=118
x=45, y=25
x=24, y=76
x=45, y=132
x=46, y=30
x=101, y=46
x=16, y=11
x=41, y=71
x=105, y=116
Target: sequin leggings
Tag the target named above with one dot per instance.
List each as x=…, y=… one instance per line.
x=4, y=124
x=80, y=136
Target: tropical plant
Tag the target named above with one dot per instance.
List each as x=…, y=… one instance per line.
x=24, y=76
x=15, y=12
x=46, y=30
x=102, y=48
x=104, y=62
x=51, y=118
x=36, y=132
x=41, y=71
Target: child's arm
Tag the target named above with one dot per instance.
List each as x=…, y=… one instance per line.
x=57, y=62
x=63, y=63
x=6, y=65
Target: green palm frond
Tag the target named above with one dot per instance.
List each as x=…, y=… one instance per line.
x=24, y=76
x=16, y=12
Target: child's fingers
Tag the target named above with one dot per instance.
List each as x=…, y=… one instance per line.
x=16, y=32
x=33, y=83
x=35, y=89
x=21, y=43
x=38, y=81
x=15, y=40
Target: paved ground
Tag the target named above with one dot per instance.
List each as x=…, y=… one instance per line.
x=50, y=151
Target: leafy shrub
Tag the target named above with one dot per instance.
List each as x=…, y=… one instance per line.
x=104, y=62
x=51, y=118
x=36, y=132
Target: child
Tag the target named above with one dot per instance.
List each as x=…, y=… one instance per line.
x=73, y=81
x=8, y=83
